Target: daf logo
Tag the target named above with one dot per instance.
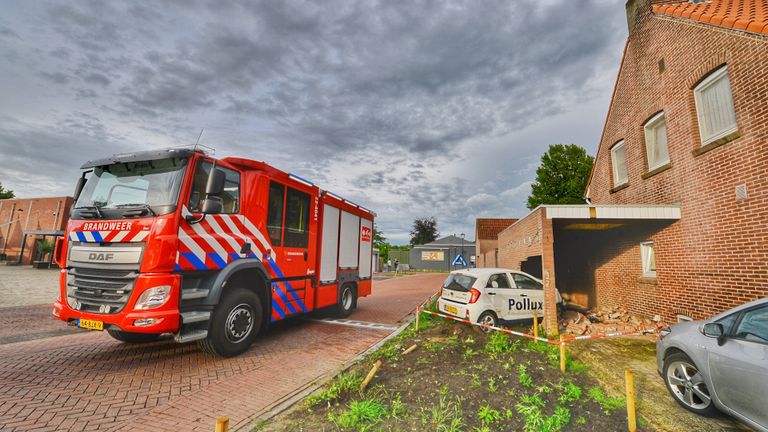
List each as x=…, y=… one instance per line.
x=100, y=256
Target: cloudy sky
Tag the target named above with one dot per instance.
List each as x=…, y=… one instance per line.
x=417, y=108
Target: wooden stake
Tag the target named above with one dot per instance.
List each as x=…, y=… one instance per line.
x=535, y=327
x=562, y=354
x=410, y=349
x=222, y=424
x=370, y=375
x=418, y=314
x=631, y=418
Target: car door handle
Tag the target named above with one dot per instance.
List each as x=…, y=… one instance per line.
x=491, y=293
x=523, y=295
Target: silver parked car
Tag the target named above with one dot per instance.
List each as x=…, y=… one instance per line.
x=720, y=363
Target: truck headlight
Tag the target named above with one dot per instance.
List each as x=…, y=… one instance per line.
x=153, y=297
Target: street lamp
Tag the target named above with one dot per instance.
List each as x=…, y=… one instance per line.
x=462, y=247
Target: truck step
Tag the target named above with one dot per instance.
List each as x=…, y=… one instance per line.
x=193, y=317
x=190, y=336
x=191, y=294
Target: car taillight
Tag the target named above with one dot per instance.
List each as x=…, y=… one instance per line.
x=474, y=294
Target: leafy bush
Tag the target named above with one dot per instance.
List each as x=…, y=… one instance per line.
x=341, y=385
x=360, y=415
x=488, y=415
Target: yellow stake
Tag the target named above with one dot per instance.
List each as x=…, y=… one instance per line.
x=222, y=424
x=631, y=419
x=535, y=327
x=562, y=354
x=418, y=314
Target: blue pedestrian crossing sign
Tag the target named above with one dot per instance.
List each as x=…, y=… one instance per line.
x=459, y=260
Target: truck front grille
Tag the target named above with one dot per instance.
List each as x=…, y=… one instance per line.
x=99, y=291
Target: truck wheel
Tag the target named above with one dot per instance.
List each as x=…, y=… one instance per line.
x=347, y=301
x=234, y=325
x=129, y=337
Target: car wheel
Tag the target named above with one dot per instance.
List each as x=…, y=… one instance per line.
x=235, y=323
x=346, y=301
x=487, y=318
x=686, y=384
x=129, y=337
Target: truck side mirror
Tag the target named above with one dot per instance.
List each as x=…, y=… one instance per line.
x=215, y=185
x=212, y=205
x=715, y=330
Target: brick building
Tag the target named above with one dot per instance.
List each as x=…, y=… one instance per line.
x=487, y=243
x=33, y=216
x=677, y=223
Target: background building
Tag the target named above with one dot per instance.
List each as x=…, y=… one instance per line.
x=678, y=220
x=40, y=218
x=487, y=235
x=439, y=254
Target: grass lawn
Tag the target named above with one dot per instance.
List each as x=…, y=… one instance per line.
x=458, y=380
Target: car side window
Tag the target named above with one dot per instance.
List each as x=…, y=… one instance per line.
x=500, y=280
x=524, y=282
x=728, y=322
x=275, y=213
x=753, y=326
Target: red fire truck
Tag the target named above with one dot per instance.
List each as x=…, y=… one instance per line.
x=175, y=241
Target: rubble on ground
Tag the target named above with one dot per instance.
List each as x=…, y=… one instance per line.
x=605, y=320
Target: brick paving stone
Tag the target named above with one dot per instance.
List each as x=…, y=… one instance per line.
x=25, y=286
x=88, y=381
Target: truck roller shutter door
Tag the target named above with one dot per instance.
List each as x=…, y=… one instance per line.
x=330, y=246
x=349, y=241
x=366, y=243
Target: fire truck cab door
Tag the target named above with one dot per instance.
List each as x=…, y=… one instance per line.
x=290, y=220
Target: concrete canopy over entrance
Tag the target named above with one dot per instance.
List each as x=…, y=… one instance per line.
x=574, y=246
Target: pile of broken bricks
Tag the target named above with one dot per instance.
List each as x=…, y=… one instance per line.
x=605, y=320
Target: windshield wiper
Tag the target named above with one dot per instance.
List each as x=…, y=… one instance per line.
x=95, y=211
x=142, y=209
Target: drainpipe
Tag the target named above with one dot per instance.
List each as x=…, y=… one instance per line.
x=56, y=216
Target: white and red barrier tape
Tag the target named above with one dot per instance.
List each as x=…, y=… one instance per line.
x=503, y=330
x=421, y=309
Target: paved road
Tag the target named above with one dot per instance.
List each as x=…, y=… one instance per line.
x=25, y=286
x=87, y=381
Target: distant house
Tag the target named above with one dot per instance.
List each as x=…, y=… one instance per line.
x=440, y=254
x=676, y=223
x=487, y=234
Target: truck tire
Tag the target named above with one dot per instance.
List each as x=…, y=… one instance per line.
x=129, y=337
x=347, y=301
x=234, y=324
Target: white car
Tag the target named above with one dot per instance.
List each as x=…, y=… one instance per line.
x=490, y=295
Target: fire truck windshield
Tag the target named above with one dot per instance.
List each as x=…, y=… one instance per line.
x=152, y=186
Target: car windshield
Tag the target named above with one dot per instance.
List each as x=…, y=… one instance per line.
x=140, y=184
x=459, y=282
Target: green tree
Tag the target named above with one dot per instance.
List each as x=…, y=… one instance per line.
x=378, y=237
x=6, y=193
x=424, y=230
x=562, y=176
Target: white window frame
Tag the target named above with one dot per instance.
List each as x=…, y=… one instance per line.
x=650, y=140
x=707, y=82
x=645, y=249
x=616, y=180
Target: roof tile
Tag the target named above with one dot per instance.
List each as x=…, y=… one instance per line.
x=489, y=229
x=749, y=15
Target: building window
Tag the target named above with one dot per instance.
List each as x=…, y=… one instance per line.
x=714, y=106
x=656, y=141
x=619, y=162
x=648, y=257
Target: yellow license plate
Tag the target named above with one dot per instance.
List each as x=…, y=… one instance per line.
x=451, y=309
x=90, y=324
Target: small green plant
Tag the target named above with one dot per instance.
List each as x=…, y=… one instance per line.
x=642, y=422
x=570, y=393
x=508, y=365
x=469, y=340
x=469, y=352
x=258, y=425
x=475, y=381
x=522, y=375
x=581, y=420
x=606, y=402
x=397, y=409
x=492, y=387
x=488, y=415
x=359, y=415
x=544, y=389
x=500, y=343
x=443, y=390
x=343, y=383
x=446, y=416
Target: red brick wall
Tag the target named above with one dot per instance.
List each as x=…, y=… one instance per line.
x=715, y=257
x=520, y=241
x=37, y=214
